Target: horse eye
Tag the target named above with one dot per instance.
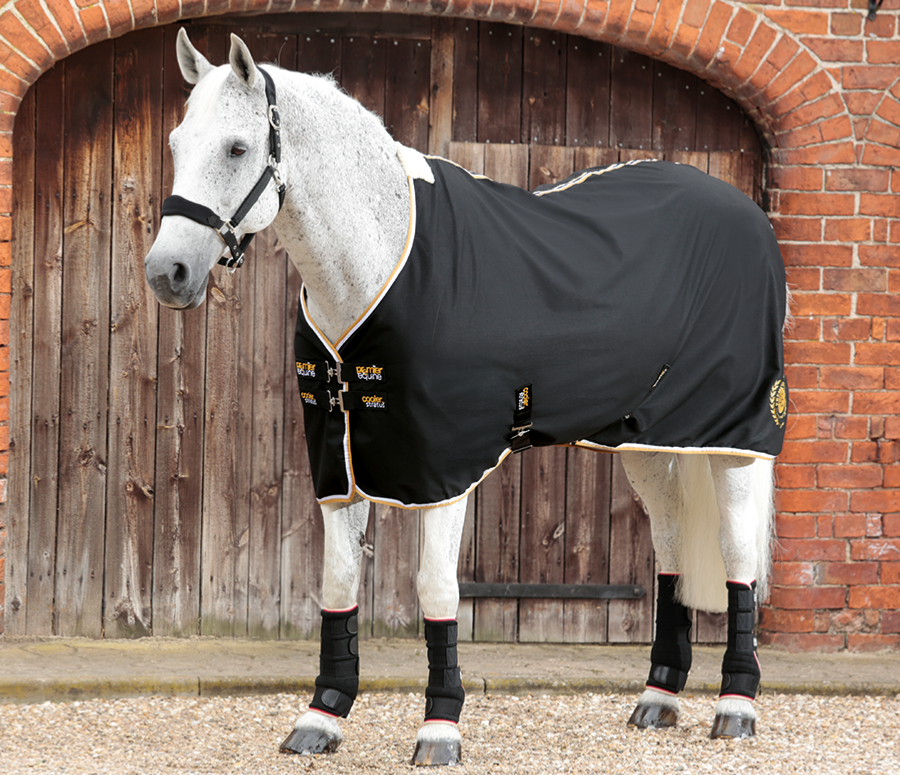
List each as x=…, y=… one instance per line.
x=237, y=150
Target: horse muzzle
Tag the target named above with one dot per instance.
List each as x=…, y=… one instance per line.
x=175, y=283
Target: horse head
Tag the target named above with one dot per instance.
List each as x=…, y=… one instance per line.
x=227, y=184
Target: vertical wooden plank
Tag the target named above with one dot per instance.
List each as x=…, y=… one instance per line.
x=363, y=62
x=29, y=593
x=499, y=83
x=133, y=318
x=726, y=166
x=465, y=79
x=631, y=101
x=587, y=542
x=45, y=407
x=395, y=608
x=465, y=569
x=440, y=114
x=588, y=85
x=631, y=562
x=675, y=96
x=180, y=414
x=406, y=97
x=269, y=386
x=631, y=154
x=693, y=158
x=585, y=158
x=718, y=121
x=469, y=156
x=542, y=543
x=85, y=341
x=544, y=87
x=366, y=594
x=507, y=164
x=319, y=53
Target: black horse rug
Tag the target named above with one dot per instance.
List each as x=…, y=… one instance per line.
x=638, y=306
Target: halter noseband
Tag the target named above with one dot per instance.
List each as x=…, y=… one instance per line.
x=178, y=205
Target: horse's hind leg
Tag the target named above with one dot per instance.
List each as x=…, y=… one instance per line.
x=317, y=730
x=438, y=740
x=737, y=481
x=655, y=477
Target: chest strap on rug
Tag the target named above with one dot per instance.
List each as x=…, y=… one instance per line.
x=345, y=400
x=323, y=371
x=521, y=427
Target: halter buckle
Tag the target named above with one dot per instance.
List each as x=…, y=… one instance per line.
x=274, y=118
x=276, y=173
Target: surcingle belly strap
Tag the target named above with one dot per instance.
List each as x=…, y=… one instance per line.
x=444, y=696
x=740, y=666
x=670, y=657
x=338, y=679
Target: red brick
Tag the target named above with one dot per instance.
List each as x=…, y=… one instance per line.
x=846, y=330
x=868, y=77
x=845, y=24
x=786, y=621
x=796, y=178
x=877, y=353
x=741, y=26
x=804, y=330
x=874, y=597
x=804, y=501
x=880, y=155
x=713, y=33
x=695, y=12
x=831, y=50
x=804, y=278
x=818, y=204
x=890, y=573
x=850, y=477
x=802, y=642
x=879, y=255
x=851, y=377
x=793, y=574
x=892, y=479
x=793, y=525
x=885, y=402
x=806, y=303
x=882, y=26
x=808, y=598
x=759, y=45
x=25, y=41
x=664, y=25
x=851, y=428
x=816, y=255
x=850, y=526
x=848, y=573
x=801, y=426
x=862, y=103
x=819, y=352
x=802, y=376
x=791, y=75
x=854, y=280
x=857, y=180
x=892, y=428
x=819, y=401
x=882, y=304
x=882, y=52
x=832, y=153
x=875, y=500
x=882, y=549
x=814, y=452
x=848, y=229
x=800, y=21
x=890, y=621
x=863, y=642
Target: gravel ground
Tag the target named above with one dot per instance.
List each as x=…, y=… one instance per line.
x=583, y=733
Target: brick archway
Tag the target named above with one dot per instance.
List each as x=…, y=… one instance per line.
x=823, y=87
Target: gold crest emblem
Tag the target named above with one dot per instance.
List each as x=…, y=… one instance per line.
x=778, y=402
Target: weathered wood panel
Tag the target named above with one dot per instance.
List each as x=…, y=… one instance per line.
x=85, y=340
x=205, y=521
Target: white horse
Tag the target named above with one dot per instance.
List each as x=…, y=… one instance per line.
x=345, y=186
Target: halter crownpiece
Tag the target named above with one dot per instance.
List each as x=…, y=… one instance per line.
x=178, y=205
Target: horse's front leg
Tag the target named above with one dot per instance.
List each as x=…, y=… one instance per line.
x=438, y=740
x=317, y=730
x=655, y=476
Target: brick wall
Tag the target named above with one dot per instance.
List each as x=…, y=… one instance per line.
x=823, y=85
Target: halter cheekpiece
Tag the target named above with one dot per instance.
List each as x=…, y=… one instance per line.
x=178, y=205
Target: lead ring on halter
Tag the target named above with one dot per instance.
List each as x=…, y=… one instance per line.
x=225, y=227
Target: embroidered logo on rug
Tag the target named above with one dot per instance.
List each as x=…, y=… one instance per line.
x=778, y=402
x=374, y=402
x=523, y=398
x=308, y=398
x=370, y=373
x=306, y=369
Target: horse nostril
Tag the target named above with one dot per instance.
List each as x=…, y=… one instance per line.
x=179, y=274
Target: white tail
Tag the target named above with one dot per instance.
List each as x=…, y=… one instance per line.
x=703, y=577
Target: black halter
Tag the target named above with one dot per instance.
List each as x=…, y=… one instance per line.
x=178, y=205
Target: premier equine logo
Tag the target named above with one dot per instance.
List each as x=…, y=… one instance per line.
x=374, y=402
x=778, y=402
x=306, y=369
x=370, y=373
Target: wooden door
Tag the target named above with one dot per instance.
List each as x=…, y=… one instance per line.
x=158, y=476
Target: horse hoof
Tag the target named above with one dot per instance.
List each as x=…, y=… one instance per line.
x=653, y=717
x=437, y=745
x=437, y=754
x=727, y=727
x=313, y=734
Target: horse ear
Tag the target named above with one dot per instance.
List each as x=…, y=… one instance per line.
x=242, y=62
x=192, y=63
